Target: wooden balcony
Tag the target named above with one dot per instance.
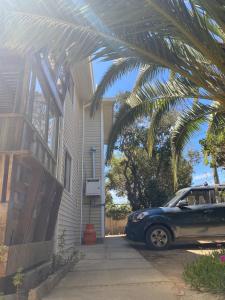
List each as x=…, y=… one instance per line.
x=29, y=203
x=19, y=136
x=30, y=194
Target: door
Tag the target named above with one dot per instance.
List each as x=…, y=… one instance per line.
x=196, y=219
x=218, y=214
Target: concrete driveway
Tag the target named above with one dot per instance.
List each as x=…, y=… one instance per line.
x=171, y=262
x=116, y=271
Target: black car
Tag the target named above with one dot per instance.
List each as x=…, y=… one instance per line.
x=194, y=213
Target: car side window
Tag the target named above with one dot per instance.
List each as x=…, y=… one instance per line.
x=198, y=197
x=219, y=195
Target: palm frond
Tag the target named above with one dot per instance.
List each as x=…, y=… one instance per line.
x=164, y=91
x=217, y=121
x=189, y=122
x=186, y=125
x=146, y=75
x=195, y=31
x=118, y=69
x=175, y=35
x=126, y=117
x=215, y=9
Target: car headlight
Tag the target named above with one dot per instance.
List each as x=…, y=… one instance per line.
x=139, y=216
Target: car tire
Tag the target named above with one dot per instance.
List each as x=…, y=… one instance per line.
x=158, y=237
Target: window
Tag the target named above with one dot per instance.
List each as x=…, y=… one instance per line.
x=40, y=110
x=198, y=197
x=67, y=172
x=43, y=113
x=52, y=129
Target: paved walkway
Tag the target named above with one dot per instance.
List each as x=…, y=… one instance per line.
x=116, y=271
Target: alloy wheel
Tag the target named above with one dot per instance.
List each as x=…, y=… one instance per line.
x=159, y=238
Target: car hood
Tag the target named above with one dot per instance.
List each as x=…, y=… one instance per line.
x=152, y=211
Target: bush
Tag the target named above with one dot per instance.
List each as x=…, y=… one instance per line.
x=207, y=273
x=118, y=212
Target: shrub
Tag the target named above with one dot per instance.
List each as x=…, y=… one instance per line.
x=207, y=273
x=118, y=212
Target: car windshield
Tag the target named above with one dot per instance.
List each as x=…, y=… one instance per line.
x=177, y=196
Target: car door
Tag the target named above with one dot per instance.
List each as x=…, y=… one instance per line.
x=218, y=213
x=195, y=219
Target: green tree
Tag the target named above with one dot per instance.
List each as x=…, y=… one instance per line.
x=188, y=121
x=214, y=148
x=143, y=180
x=118, y=211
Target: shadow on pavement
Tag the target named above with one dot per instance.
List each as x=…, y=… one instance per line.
x=171, y=262
x=184, y=246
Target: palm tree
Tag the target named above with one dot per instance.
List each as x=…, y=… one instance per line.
x=185, y=37
x=188, y=122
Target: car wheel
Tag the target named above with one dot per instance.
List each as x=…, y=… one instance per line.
x=158, y=237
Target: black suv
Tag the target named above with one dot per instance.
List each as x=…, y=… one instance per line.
x=194, y=213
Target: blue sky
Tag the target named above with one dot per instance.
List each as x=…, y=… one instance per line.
x=202, y=172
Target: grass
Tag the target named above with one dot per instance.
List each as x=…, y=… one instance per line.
x=207, y=273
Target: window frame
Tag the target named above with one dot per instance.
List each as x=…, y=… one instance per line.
x=36, y=74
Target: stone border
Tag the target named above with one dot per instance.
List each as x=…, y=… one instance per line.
x=46, y=286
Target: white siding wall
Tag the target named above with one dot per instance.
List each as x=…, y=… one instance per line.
x=92, y=205
x=69, y=212
x=69, y=218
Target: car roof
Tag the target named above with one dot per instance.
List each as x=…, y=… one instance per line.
x=207, y=187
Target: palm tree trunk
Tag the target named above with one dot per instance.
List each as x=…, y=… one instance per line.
x=216, y=175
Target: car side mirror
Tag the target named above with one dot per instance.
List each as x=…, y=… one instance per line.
x=182, y=203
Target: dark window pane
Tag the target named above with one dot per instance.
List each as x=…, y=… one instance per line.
x=40, y=110
x=52, y=129
x=198, y=197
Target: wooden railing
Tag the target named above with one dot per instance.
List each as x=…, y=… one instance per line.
x=17, y=134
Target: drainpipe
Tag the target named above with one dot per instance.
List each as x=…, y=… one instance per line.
x=93, y=152
x=82, y=171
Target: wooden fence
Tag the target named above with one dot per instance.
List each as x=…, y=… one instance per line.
x=114, y=227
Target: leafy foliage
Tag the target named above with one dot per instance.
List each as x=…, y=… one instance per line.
x=17, y=281
x=187, y=122
x=207, y=273
x=146, y=181
x=118, y=212
x=18, y=278
x=115, y=211
x=214, y=148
